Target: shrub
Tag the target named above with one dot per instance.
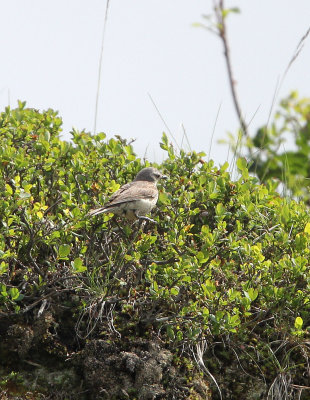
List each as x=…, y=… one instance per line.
x=227, y=260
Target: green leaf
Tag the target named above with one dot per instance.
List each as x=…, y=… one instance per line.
x=8, y=188
x=251, y=294
x=164, y=198
x=64, y=251
x=307, y=228
x=220, y=209
x=174, y=291
x=170, y=332
x=285, y=213
x=234, y=320
x=201, y=257
x=3, y=290
x=77, y=264
x=224, y=167
x=242, y=166
x=179, y=335
x=155, y=286
x=235, y=10
x=14, y=294
x=3, y=267
x=228, y=11
x=299, y=323
x=205, y=312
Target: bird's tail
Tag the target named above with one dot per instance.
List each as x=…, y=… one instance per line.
x=97, y=211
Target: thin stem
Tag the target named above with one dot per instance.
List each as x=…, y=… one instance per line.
x=222, y=32
x=163, y=120
x=100, y=64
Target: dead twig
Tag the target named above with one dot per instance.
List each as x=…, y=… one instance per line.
x=219, y=9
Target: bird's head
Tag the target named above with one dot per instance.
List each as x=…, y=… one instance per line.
x=149, y=174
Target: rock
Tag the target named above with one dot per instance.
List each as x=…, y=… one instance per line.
x=144, y=370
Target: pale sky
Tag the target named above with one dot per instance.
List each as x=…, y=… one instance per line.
x=50, y=56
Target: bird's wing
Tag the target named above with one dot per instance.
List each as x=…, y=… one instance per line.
x=114, y=196
x=139, y=190
x=119, y=192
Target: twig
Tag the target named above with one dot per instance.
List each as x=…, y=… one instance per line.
x=297, y=52
x=280, y=81
x=292, y=60
x=186, y=137
x=160, y=262
x=300, y=387
x=213, y=130
x=52, y=206
x=222, y=32
x=52, y=293
x=201, y=348
x=100, y=63
x=163, y=120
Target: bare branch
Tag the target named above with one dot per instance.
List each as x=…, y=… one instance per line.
x=219, y=9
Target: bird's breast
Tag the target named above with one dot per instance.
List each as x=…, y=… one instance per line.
x=142, y=207
x=132, y=208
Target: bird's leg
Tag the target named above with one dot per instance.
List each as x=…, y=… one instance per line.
x=147, y=219
x=143, y=217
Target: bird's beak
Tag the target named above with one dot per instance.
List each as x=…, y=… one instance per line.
x=164, y=177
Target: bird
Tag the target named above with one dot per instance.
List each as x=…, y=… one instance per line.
x=134, y=199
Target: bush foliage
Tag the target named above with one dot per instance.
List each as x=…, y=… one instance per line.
x=227, y=261
x=281, y=149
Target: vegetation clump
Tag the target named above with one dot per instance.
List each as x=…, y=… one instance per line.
x=220, y=283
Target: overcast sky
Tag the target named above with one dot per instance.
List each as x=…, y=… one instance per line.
x=50, y=55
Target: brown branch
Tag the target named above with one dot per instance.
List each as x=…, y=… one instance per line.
x=160, y=262
x=222, y=33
